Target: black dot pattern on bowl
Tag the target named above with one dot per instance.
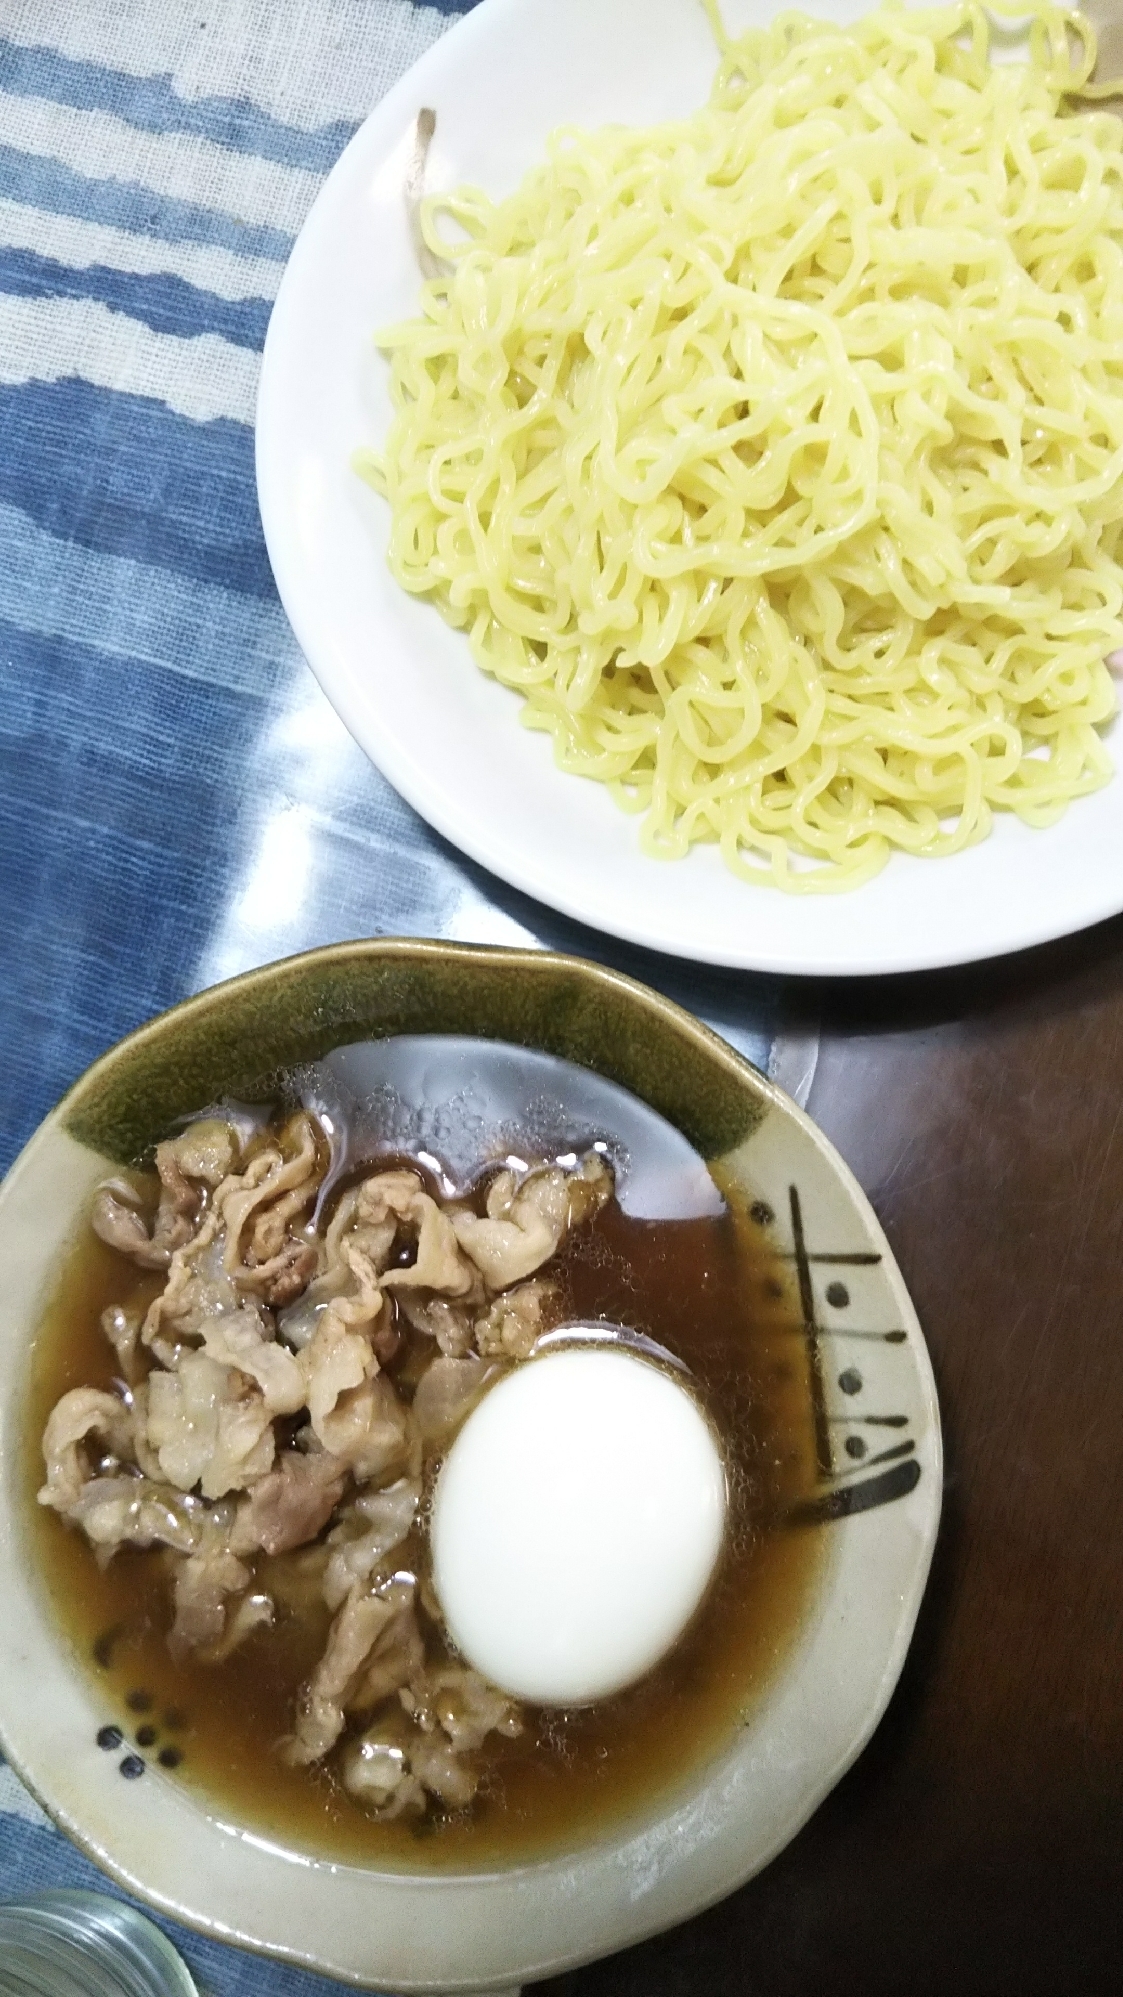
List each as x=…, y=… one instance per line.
x=838, y=1295
x=850, y=1381
x=772, y=1288
x=169, y=1757
x=139, y=1701
x=855, y=1446
x=109, y=1737
x=131, y=1767
x=146, y=1736
x=174, y=1720
x=103, y=1648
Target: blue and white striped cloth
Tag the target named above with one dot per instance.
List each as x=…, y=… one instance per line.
x=177, y=800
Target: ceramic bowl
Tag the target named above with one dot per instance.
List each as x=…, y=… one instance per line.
x=878, y=1518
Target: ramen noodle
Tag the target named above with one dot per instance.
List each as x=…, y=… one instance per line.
x=774, y=456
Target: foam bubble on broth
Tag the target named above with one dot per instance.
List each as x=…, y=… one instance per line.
x=407, y=1094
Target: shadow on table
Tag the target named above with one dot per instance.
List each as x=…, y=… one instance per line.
x=1058, y=976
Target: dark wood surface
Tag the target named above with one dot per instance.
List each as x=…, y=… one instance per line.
x=976, y=1848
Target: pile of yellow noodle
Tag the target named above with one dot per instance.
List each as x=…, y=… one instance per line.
x=775, y=456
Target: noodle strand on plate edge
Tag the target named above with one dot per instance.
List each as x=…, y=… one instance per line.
x=775, y=455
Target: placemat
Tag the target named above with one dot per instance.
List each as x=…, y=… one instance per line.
x=178, y=801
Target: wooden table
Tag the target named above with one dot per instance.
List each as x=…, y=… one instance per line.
x=976, y=1846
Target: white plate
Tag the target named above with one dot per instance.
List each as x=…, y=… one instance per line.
x=447, y=737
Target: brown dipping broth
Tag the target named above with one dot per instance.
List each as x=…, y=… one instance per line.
x=713, y=1292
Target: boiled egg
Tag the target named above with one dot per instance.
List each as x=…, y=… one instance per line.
x=576, y=1523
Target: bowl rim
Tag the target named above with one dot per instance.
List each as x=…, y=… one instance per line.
x=406, y=949
x=742, y=1075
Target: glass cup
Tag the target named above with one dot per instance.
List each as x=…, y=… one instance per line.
x=84, y=1945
